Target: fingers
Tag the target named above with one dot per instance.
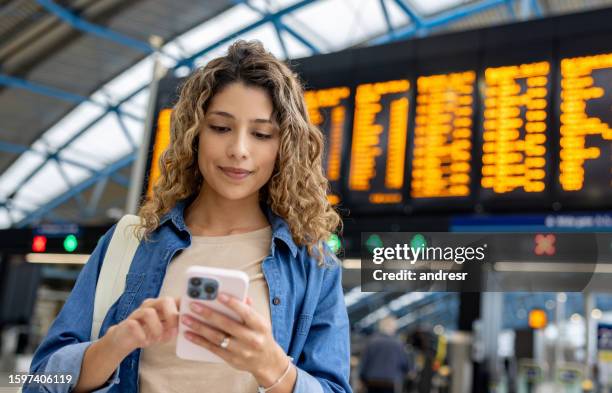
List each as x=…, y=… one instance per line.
x=208, y=332
x=136, y=332
x=219, y=321
x=250, y=339
x=149, y=320
x=158, y=317
x=167, y=309
x=217, y=350
x=245, y=311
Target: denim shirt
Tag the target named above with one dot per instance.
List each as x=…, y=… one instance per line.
x=309, y=317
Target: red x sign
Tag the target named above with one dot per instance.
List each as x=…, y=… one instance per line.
x=545, y=244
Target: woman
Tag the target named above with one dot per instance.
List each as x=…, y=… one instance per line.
x=241, y=187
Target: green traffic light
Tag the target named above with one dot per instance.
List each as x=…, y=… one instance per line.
x=70, y=243
x=418, y=241
x=334, y=243
x=374, y=241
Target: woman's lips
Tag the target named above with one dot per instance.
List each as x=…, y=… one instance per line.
x=235, y=174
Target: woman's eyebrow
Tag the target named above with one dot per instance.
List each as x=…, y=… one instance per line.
x=229, y=115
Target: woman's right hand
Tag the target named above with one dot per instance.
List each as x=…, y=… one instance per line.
x=155, y=321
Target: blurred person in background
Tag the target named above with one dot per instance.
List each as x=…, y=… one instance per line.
x=384, y=361
x=423, y=342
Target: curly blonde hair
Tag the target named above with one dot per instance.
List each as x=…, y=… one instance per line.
x=297, y=189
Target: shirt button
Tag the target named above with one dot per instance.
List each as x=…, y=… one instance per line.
x=276, y=301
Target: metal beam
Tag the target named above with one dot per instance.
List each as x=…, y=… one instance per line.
x=440, y=19
x=49, y=206
x=537, y=10
x=265, y=19
x=416, y=20
x=125, y=130
x=94, y=201
x=525, y=10
x=462, y=12
x=390, y=30
x=90, y=28
x=279, y=34
x=309, y=29
x=118, y=178
x=279, y=24
x=9, y=205
x=14, y=148
x=78, y=134
x=37, y=88
x=301, y=39
x=17, y=83
x=510, y=8
x=77, y=197
x=19, y=149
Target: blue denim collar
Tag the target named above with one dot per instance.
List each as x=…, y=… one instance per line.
x=280, y=228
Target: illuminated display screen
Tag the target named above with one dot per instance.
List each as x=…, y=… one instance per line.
x=442, y=158
x=514, y=152
x=378, y=148
x=162, y=140
x=585, y=152
x=329, y=110
x=485, y=120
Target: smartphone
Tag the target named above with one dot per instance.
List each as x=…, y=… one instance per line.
x=203, y=286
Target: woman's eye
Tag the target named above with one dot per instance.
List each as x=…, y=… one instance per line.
x=262, y=136
x=219, y=128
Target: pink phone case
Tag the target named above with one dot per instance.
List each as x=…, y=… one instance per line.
x=232, y=282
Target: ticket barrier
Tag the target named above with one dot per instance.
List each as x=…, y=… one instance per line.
x=530, y=375
x=569, y=377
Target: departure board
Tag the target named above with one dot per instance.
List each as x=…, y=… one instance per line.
x=329, y=110
x=442, y=158
x=585, y=154
x=160, y=143
x=378, y=147
x=514, y=152
x=503, y=118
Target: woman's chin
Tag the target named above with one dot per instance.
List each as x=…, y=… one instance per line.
x=235, y=195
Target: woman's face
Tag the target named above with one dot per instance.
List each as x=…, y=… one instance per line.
x=238, y=143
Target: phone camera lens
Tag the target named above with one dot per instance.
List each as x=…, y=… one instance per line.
x=194, y=293
x=209, y=289
x=196, y=282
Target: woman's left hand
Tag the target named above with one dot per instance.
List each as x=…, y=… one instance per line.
x=251, y=345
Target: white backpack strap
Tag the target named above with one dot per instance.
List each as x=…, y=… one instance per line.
x=116, y=265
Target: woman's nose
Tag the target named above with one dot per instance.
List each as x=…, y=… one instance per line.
x=239, y=145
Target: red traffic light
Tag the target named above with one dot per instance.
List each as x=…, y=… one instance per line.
x=39, y=244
